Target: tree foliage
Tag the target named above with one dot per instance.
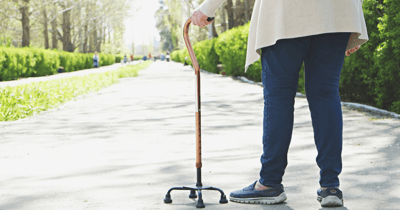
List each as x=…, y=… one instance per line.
x=173, y=14
x=74, y=25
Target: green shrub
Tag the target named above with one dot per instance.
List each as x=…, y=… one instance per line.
x=175, y=56
x=48, y=63
x=34, y=62
x=118, y=58
x=387, y=59
x=231, y=48
x=206, y=56
x=370, y=76
x=301, y=83
x=137, y=57
x=183, y=54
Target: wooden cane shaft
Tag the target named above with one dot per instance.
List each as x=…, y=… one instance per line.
x=197, y=102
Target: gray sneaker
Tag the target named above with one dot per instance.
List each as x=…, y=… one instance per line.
x=248, y=194
x=330, y=197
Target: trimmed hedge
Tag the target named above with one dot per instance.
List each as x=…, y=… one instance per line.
x=34, y=62
x=370, y=76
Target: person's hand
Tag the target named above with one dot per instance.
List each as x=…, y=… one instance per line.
x=200, y=19
x=348, y=52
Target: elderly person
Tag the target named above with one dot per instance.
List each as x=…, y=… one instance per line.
x=285, y=34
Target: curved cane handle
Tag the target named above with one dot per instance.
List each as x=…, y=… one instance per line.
x=189, y=45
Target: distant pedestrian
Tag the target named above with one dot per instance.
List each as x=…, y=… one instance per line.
x=125, y=59
x=149, y=56
x=96, y=60
x=167, y=57
x=186, y=63
x=131, y=57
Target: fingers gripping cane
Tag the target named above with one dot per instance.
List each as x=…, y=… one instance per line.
x=198, y=186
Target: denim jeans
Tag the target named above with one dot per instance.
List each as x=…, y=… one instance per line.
x=323, y=57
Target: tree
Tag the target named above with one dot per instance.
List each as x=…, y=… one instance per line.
x=229, y=10
x=45, y=28
x=165, y=33
x=83, y=24
x=23, y=11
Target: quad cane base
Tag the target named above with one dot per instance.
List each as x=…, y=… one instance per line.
x=193, y=189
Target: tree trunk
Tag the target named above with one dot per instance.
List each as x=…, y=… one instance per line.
x=109, y=36
x=45, y=29
x=54, y=29
x=239, y=13
x=223, y=24
x=66, y=27
x=250, y=5
x=86, y=33
x=214, y=31
x=104, y=33
x=25, y=23
x=80, y=28
x=246, y=11
x=85, y=39
x=90, y=42
x=229, y=10
x=95, y=38
x=98, y=41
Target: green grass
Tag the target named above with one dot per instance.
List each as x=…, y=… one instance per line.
x=29, y=99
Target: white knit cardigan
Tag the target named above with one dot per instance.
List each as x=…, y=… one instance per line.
x=279, y=19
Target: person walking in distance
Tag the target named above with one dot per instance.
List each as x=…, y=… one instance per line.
x=96, y=60
x=284, y=39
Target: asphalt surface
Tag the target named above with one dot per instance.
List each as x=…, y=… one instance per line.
x=65, y=74
x=126, y=145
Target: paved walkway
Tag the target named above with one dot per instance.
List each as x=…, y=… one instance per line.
x=65, y=74
x=125, y=146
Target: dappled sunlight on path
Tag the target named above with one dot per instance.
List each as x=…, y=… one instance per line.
x=125, y=146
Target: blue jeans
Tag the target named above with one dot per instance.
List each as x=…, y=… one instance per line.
x=323, y=57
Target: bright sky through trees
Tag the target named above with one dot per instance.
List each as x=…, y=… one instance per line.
x=142, y=23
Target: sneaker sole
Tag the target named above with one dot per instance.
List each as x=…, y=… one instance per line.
x=263, y=200
x=330, y=201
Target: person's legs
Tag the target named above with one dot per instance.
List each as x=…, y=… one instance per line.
x=281, y=64
x=323, y=65
x=323, y=56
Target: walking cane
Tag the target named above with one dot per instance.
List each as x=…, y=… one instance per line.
x=198, y=186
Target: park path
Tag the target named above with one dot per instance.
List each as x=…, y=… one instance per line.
x=84, y=72
x=126, y=145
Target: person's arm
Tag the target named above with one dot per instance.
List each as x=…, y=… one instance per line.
x=208, y=7
x=204, y=11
